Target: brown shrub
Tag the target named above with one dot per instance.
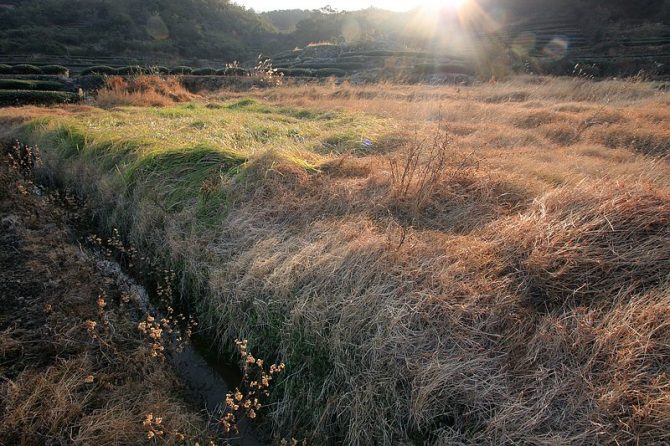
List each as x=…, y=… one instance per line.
x=464, y=200
x=434, y=185
x=143, y=90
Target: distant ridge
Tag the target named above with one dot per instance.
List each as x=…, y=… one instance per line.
x=617, y=36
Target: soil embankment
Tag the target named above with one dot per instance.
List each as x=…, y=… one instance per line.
x=74, y=367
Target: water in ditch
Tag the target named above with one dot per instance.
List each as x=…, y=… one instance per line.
x=208, y=377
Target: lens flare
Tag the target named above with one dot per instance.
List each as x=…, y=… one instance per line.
x=444, y=4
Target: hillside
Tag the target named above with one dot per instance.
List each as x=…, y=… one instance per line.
x=160, y=30
x=607, y=39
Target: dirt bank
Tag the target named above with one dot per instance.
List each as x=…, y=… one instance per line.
x=74, y=367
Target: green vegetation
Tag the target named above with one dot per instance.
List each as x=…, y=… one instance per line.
x=132, y=70
x=204, y=72
x=181, y=70
x=425, y=68
x=328, y=72
x=218, y=31
x=99, y=69
x=28, y=97
x=232, y=71
x=20, y=84
x=295, y=72
x=57, y=70
x=25, y=69
x=176, y=150
x=312, y=71
x=191, y=153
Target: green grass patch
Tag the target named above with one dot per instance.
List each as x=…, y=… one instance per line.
x=189, y=156
x=170, y=113
x=300, y=113
x=183, y=176
x=242, y=104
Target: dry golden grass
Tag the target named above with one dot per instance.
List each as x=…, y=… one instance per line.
x=518, y=296
x=499, y=274
x=142, y=90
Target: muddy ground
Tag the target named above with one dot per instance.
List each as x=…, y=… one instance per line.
x=74, y=368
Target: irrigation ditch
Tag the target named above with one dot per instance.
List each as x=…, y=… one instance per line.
x=209, y=376
x=150, y=293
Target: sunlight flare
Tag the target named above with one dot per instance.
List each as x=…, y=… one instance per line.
x=444, y=4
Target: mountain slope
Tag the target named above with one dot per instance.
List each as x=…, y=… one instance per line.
x=171, y=29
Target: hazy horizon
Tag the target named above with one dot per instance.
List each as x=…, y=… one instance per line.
x=348, y=5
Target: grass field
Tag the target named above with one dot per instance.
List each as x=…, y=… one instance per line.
x=435, y=265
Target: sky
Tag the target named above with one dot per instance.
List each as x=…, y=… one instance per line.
x=269, y=5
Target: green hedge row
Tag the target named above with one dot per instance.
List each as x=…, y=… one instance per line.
x=34, y=69
x=313, y=70
x=332, y=65
x=204, y=72
x=232, y=71
x=329, y=72
x=387, y=53
x=295, y=72
x=27, y=97
x=181, y=70
x=425, y=68
x=124, y=71
x=58, y=70
x=306, y=72
x=99, y=69
x=20, y=84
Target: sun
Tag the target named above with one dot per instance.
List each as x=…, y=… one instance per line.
x=443, y=4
